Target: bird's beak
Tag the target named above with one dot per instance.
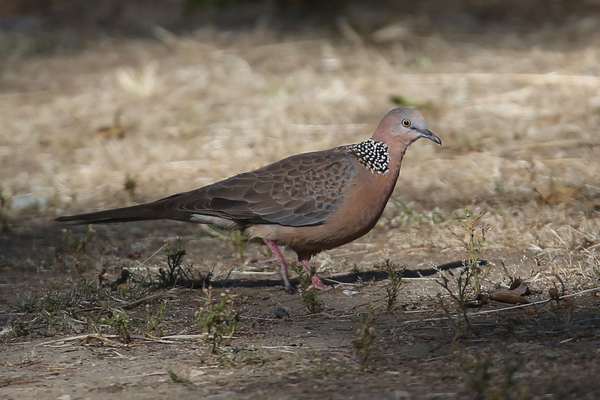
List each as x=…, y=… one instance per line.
x=427, y=134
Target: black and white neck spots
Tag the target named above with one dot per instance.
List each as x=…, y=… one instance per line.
x=373, y=155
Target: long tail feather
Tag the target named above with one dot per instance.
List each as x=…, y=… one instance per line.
x=144, y=212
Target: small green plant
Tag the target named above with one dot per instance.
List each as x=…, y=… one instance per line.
x=176, y=376
x=403, y=214
x=457, y=287
x=309, y=297
x=562, y=306
x=53, y=299
x=175, y=272
x=479, y=375
x=485, y=380
x=247, y=357
x=473, y=243
x=509, y=383
x=21, y=327
x=121, y=323
x=73, y=251
x=218, y=319
x=154, y=319
x=130, y=185
x=77, y=247
x=239, y=241
x=62, y=307
x=239, y=356
x=319, y=367
x=51, y=324
x=596, y=265
x=393, y=287
x=57, y=299
x=498, y=187
x=54, y=308
x=406, y=101
x=469, y=145
x=365, y=337
x=4, y=205
x=470, y=277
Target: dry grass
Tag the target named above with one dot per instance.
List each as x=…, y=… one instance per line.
x=199, y=108
x=518, y=115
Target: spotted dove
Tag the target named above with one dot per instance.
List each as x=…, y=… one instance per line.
x=307, y=202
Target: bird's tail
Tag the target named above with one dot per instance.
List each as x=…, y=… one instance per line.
x=143, y=212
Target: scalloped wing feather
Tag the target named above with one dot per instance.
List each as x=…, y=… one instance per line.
x=299, y=190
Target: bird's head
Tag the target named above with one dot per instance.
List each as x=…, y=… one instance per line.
x=402, y=126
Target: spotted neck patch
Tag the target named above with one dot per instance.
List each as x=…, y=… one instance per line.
x=373, y=155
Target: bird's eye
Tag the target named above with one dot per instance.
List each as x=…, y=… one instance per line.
x=406, y=122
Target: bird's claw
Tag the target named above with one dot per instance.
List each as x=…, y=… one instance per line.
x=318, y=284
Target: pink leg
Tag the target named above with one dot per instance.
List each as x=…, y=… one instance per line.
x=284, y=267
x=317, y=283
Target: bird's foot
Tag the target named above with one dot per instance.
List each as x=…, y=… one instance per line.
x=284, y=267
x=318, y=284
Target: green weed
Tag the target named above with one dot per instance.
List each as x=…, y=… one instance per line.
x=406, y=101
x=176, y=376
x=239, y=241
x=486, y=381
x=393, y=287
x=309, y=297
x=73, y=250
x=130, y=185
x=121, y=323
x=468, y=280
x=4, y=206
x=51, y=310
x=218, y=319
x=320, y=368
x=178, y=273
x=21, y=327
x=239, y=357
x=365, y=337
x=175, y=272
x=405, y=214
x=77, y=247
x=154, y=318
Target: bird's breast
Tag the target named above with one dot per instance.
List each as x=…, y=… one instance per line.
x=362, y=206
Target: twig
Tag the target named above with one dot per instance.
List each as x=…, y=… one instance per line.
x=151, y=255
x=541, y=302
x=180, y=337
x=143, y=300
x=86, y=337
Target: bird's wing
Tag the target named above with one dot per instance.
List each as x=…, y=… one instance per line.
x=299, y=190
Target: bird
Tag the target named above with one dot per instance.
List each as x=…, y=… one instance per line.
x=308, y=202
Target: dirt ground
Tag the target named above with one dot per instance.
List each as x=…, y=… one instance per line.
x=112, y=120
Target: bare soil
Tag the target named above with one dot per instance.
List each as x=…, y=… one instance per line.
x=120, y=120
